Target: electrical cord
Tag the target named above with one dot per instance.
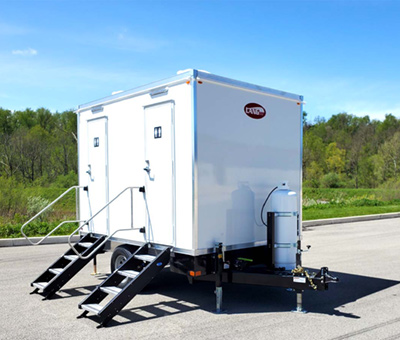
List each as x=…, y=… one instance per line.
x=263, y=206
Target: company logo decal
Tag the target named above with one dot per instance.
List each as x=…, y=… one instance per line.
x=255, y=111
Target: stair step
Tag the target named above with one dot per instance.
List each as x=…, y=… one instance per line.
x=138, y=274
x=128, y=273
x=92, y=307
x=40, y=285
x=110, y=290
x=56, y=271
x=71, y=257
x=145, y=257
x=85, y=244
x=67, y=266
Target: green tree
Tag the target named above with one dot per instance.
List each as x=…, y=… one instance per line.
x=313, y=156
x=25, y=119
x=335, y=158
x=313, y=175
x=390, y=153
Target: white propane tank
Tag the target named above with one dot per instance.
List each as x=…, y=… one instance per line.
x=284, y=205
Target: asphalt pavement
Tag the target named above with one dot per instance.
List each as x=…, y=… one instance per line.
x=364, y=305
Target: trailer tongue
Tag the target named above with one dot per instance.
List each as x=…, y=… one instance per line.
x=298, y=279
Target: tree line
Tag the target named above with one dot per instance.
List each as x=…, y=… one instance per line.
x=350, y=151
x=38, y=146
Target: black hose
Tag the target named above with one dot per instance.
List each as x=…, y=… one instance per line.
x=263, y=206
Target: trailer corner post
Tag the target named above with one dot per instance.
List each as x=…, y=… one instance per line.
x=218, y=278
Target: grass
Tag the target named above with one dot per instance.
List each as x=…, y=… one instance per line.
x=35, y=229
x=316, y=214
x=346, y=194
x=18, y=204
x=331, y=203
x=317, y=204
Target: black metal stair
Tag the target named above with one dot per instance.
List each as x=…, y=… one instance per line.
x=61, y=271
x=140, y=269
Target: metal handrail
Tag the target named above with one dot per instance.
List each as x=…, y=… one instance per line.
x=90, y=219
x=51, y=232
x=99, y=246
x=76, y=187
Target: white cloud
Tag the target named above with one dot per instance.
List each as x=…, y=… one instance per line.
x=27, y=52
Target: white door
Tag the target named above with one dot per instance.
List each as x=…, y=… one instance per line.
x=97, y=173
x=160, y=173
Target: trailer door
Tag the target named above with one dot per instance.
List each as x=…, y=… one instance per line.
x=160, y=173
x=97, y=173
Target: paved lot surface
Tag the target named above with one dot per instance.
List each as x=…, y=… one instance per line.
x=365, y=305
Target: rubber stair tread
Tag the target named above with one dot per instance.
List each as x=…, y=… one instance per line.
x=40, y=285
x=92, y=307
x=56, y=270
x=128, y=273
x=110, y=290
x=145, y=257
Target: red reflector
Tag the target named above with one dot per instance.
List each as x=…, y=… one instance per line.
x=192, y=273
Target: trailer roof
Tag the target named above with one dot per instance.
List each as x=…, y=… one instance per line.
x=192, y=73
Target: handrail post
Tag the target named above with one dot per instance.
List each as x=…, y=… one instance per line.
x=131, y=208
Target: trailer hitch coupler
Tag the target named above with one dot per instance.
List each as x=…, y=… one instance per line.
x=327, y=277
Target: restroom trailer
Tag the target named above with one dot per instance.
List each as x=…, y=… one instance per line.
x=199, y=172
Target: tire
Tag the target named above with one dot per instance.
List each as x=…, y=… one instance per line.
x=120, y=255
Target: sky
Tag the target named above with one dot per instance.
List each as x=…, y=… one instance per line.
x=343, y=56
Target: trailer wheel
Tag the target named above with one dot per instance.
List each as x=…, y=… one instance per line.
x=120, y=255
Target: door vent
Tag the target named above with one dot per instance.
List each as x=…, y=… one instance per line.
x=159, y=92
x=97, y=109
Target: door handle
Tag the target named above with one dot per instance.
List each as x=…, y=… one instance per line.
x=147, y=168
x=89, y=172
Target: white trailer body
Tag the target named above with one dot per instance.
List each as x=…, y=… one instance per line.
x=207, y=149
x=179, y=173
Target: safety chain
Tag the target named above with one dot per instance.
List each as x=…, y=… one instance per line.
x=301, y=270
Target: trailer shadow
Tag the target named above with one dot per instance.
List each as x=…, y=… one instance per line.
x=239, y=299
